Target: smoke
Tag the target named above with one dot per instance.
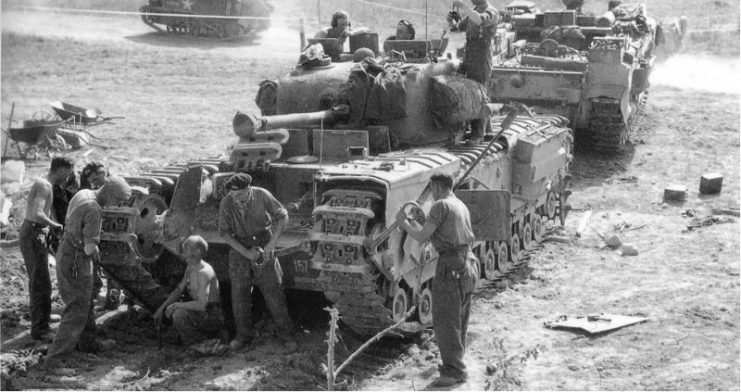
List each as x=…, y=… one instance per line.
x=699, y=72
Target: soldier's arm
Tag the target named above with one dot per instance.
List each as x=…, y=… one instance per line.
x=172, y=298
x=225, y=230
x=91, y=227
x=40, y=193
x=417, y=231
x=478, y=18
x=421, y=233
x=280, y=220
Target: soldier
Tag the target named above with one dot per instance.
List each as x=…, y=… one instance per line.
x=480, y=24
x=404, y=31
x=449, y=228
x=340, y=28
x=74, y=269
x=251, y=220
x=92, y=176
x=33, y=244
x=202, y=315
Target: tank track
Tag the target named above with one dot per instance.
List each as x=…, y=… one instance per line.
x=356, y=287
x=607, y=128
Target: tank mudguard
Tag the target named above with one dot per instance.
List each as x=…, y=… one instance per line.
x=491, y=219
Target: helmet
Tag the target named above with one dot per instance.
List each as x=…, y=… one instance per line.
x=361, y=54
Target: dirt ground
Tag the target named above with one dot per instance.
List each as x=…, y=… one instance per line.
x=178, y=96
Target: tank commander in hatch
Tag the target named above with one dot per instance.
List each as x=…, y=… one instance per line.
x=480, y=24
x=251, y=220
x=340, y=28
x=202, y=316
x=404, y=31
x=448, y=227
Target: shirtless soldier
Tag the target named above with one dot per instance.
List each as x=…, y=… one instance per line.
x=34, y=247
x=201, y=316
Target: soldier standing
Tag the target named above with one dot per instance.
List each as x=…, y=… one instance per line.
x=32, y=239
x=480, y=25
x=448, y=226
x=74, y=267
x=251, y=220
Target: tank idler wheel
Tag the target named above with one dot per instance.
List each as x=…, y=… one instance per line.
x=550, y=205
x=490, y=263
x=537, y=222
x=400, y=305
x=527, y=237
x=514, y=249
x=504, y=264
x=425, y=307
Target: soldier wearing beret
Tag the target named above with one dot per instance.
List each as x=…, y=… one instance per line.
x=251, y=220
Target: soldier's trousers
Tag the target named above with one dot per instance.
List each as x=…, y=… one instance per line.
x=479, y=71
x=36, y=258
x=268, y=279
x=193, y=325
x=452, y=289
x=76, y=292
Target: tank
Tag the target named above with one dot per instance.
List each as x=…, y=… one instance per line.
x=592, y=69
x=343, y=154
x=213, y=21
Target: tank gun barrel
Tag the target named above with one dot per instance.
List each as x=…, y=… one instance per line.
x=245, y=125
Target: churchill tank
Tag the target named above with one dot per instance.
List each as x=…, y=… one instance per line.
x=207, y=18
x=592, y=69
x=344, y=146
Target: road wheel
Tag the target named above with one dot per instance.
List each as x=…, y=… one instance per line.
x=550, y=205
x=400, y=305
x=490, y=263
x=425, y=307
x=527, y=237
x=194, y=28
x=232, y=29
x=537, y=222
x=504, y=264
x=514, y=249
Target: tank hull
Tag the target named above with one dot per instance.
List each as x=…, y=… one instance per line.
x=594, y=71
x=210, y=18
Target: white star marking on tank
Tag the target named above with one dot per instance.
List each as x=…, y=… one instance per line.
x=187, y=4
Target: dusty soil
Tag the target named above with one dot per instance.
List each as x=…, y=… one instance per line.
x=178, y=96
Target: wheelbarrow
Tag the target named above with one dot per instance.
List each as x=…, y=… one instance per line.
x=79, y=115
x=35, y=135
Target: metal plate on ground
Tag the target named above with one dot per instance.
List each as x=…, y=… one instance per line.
x=595, y=323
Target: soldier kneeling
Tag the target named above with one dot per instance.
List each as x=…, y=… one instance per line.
x=202, y=316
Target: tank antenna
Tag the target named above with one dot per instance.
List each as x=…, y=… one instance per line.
x=426, y=19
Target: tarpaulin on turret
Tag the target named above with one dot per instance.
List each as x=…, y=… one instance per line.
x=455, y=99
x=387, y=99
